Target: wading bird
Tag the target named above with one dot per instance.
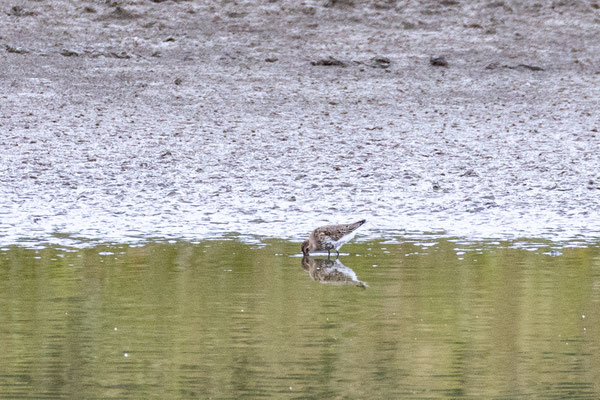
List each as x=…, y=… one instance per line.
x=330, y=237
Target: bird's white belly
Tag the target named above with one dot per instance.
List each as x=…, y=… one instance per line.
x=337, y=244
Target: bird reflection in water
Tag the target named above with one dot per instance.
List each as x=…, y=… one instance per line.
x=331, y=272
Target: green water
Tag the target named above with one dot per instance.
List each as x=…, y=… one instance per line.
x=222, y=319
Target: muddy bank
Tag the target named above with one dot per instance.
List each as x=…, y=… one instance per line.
x=138, y=119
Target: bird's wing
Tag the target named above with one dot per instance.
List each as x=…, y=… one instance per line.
x=332, y=232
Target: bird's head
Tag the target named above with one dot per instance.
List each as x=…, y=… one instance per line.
x=305, y=248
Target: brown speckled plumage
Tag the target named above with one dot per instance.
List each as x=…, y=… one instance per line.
x=329, y=237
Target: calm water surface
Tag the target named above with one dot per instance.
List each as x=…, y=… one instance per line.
x=223, y=319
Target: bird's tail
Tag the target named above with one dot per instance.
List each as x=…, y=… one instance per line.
x=356, y=225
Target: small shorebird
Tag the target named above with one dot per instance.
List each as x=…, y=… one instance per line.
x=330, y=237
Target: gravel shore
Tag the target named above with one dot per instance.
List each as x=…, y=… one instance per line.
x=130, y=120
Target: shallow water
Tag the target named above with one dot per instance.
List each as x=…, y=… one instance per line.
x=223, y=319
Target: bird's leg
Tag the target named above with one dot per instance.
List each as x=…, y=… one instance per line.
x=328, y=253
x=338, y=253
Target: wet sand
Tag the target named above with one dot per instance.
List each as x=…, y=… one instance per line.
x=138, y=119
